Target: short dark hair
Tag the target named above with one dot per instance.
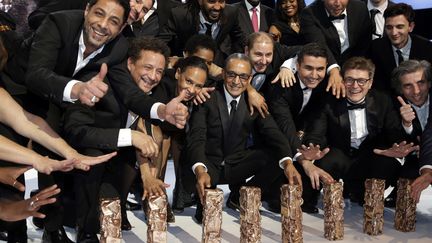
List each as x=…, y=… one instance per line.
x=198, y=42
x=312, y=49
x=359, y=63
x=400, y=9
x=238, y=56
x=192, y=61
x=410, y=66
x=124, y=3
x=280, y=13
x=252, y=38
x=136, y=45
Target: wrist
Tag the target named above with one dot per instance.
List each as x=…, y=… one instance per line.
x=406, y=124
x=75, y=90
x=161, y=111
x=287, y=163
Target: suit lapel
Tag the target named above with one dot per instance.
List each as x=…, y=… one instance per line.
x=344, y=121
x=263, y=20
x=298, y=97
x=371, y=114
x=223, y=114
x=244, y=14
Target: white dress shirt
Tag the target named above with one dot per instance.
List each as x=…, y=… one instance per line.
x=249, y=7
x=379, y=18
x=406, y=50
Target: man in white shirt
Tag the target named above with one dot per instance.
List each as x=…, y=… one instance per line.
x=376, y=11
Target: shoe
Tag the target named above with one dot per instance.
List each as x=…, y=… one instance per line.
x=233, y=202
x=274, y=206
x=170, y=214
x=125, y=224
x=309, y=208
x=57, y=236
x=131, y=206
x=84, y=237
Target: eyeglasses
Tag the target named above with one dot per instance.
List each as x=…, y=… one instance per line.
x=360, y=81
x=232, y=75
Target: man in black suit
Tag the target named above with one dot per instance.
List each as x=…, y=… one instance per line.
x=106, y=127
x=354, y=127
x=343, y=26
x=213, y=18
x=376, y=12
x=253, y=16
x=412, y=79
x=295, y=106
x=80, y=43
x=397, y=45
x=217, y=140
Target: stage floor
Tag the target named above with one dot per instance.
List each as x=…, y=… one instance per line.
x=186, y=230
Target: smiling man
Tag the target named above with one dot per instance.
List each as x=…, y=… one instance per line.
x=397, y=45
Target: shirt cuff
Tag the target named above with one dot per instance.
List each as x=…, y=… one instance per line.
x=290, y=64
x=425, y=167
x=68, y=90
x=401, y=160
x=298, y=154
x=124, y=138
x=153, y=111
x=281, y=162
x=408, y=130
x=198, y=164
x=331, y=67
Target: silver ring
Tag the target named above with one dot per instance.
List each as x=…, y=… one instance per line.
x=93, y=99
x=15, y=182
x=32, y=203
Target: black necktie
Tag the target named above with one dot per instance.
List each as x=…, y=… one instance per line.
x=354, y=106
x=400, y=57
x=233, y=111
x=209, y=30
x=374, y=12
x=331, y=17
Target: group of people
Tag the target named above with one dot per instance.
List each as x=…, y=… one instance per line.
x=101, y=94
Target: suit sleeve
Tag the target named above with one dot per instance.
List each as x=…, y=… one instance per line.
x=41, y=78
x=426, y=142
x=273, y=137
x=81, y=129
x=316, y=130
x=197, y=136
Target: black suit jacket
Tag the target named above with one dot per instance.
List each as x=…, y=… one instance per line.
x=332, y=127
x=381, y=53
x=52, y=61
x=245, y=22
x=285, y=105
x=183, y=22
x=211, y=141
x=316, y=27
x=426, y=142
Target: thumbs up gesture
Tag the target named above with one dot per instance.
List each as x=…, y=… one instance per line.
x=175, y=112
x=407, y=112
x=92, y=91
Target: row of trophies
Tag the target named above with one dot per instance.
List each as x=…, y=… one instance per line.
x=291, y=214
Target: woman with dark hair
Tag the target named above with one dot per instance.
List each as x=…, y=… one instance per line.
x=286, y=27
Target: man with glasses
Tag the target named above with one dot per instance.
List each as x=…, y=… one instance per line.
x=363, y=131
x=217, y=140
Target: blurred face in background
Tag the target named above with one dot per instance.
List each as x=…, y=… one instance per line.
x=212, y=9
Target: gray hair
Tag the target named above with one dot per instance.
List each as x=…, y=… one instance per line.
x=407, y=67
x=238, y=56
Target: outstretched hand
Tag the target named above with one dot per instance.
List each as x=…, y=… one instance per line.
x=286, y=77
x=257, y=101
x=175, y=112
x=93, y=90
x=335, y=83
x=312, y=152
x=203, y=95
x=85, y=162
x=9, y=175
x=398, y=150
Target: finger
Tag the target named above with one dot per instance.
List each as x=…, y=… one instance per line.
x=181, y=96
x=102, y=72
x=261, y=111
x=41, y=202
x=251, y=108
x=276, y=79
x=329, y=85
x=317, y=182
x=38, y=215
x=195, y=101
x=343, y=91
x=200, y=189
x=378, y=151
x=97, y=90
x=22, y=170
x=18, y=185
x=312, y=179
x=47, y=192
x=325, y=151
x=401, y=101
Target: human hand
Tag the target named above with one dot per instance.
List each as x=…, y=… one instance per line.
x=398, y=150
x=407, y=112
x=92, y=91
x=286, y=77
x=9, y=175
x=421, y=183
x=153, y=186
x=46, y=165
x=145, y=144
x=256, y=100
x=291, y=173
x=14, y=211
x=203, y=182
x=175, y=112
x=316, y=175
x=85, y=162
x=203, y=95
x=312, y=152
x=335, y=83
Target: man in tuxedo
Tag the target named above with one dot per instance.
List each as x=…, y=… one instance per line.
x=376, y=12
x=213, y=18
x=343, y=26
x=293, y=107
x=80, y=43
x=253, y=16
x=107, y=127
x=217, y=140
x=412, y=80
x=353, y=129
x=397, y=45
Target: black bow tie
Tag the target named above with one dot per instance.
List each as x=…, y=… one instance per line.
x=331, y=17
x=354, y=106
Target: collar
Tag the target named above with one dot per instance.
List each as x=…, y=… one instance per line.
x=381, y=8
x=82, y=47
x=249, y=6
x=155, y=5
x=229, y=98
x=302, y=85
x=406, y=48
x=361, y=101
